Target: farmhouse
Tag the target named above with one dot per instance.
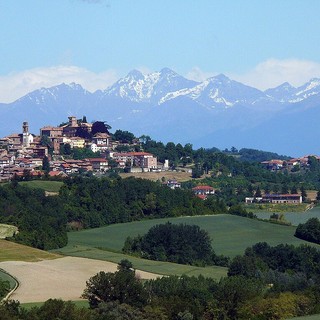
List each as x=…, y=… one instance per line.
x=276, y=198
x=283, y=198
x=203, y=191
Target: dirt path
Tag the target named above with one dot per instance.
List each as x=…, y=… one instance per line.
x=63, y=278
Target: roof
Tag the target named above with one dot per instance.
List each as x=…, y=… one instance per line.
x=97, y=160
x=101, y=135
x=202, y=188
x=287, y=195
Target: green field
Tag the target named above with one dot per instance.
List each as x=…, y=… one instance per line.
x=230, y=235
x=313, y=317
x=50, y=186
x=77, y=303
x=294, y=217
x=6, y=277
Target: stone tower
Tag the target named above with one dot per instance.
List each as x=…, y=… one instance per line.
x=25, y=135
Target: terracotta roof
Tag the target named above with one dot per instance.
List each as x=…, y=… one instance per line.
x=202, y=188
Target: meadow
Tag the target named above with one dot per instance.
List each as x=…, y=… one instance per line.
x=293, y=217
x=230, y=236
x=10, y=251
x=49, y=186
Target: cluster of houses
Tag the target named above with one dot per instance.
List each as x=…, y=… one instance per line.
x=278, y=165
x=23, y=153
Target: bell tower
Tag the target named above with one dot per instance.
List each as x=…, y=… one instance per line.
x=25, y=135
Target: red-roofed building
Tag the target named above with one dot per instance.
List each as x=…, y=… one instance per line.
x=203, y=191
x=99, y=164
x=143, y=160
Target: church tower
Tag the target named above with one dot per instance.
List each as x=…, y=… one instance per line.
x=25, y=135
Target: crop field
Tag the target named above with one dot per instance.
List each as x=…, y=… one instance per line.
x=50, y=186
x=10, y=251
x=294, y=217
x=230, y=235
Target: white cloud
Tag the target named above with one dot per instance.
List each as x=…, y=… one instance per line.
x=16, y=85
x=274, y=72
x=197, y=74
x=269, y=73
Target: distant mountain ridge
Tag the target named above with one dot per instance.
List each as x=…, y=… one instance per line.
x=217, y=112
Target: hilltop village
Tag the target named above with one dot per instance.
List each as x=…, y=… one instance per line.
x=25, y=154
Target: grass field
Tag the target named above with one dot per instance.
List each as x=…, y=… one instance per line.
x=10, y=251
x=313, y=317
x=6, y=277
x=77, y=303
x=230, y=235
x=294, y=217
x=50, y=186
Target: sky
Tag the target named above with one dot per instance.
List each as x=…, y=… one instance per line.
x=261, y=43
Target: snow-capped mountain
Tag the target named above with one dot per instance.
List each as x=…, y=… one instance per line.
x=219, y=91
x=169, y=107
x=137, y=87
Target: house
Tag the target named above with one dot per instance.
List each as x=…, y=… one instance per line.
x=76, y=142
x=15, y=139
x=142, y=160
x=57, y=174
x=100, y=142
x=173, y=184
x=51, y=132
x=99, y=164
x=4, y=161
x=273, y=165
x=283, y=198
x=203, y=190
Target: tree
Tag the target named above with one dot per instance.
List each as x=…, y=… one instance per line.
x=303, y=193
x=121, y=286
x=258, y=193
x=123, y=136
x=45, y=164
x=100, y=126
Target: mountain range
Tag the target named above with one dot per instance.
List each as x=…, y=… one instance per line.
x=218, y=112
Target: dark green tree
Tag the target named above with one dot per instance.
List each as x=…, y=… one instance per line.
x=45, y=164
x=121, y=286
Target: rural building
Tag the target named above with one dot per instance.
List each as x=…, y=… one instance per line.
x=276, y=198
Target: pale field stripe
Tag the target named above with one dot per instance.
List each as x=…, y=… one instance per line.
x=64, y=278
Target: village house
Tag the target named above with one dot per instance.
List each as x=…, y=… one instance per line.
x=144, y=160
x=99, y=164
x=173, y=184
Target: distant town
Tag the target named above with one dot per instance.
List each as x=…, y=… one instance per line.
x=25, y=154
x=79, y=147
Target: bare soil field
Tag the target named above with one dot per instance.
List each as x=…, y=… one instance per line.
x=63, y=278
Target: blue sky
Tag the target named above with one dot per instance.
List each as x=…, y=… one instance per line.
x=262, y=43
